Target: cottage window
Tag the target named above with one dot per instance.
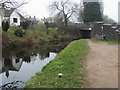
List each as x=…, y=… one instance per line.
x=15, y=20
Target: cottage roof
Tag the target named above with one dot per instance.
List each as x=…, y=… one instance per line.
x=9, y=12
x=22, y=17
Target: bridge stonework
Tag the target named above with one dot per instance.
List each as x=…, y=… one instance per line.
x=105, y=31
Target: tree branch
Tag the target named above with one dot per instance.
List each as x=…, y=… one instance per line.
x=11, y=4
x=66, y=8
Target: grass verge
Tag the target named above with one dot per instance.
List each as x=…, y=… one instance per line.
x=108, y=41
x=69, y=62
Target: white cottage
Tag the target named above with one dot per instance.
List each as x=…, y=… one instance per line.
x=15, y=18
x=2, y=12
x=12, y=15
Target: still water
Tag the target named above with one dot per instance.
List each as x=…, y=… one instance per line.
x=19, y=65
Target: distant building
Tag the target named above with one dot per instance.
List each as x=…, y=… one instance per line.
x=84, y=2
x=49, y=20
x=33, y=20
x=100, y=1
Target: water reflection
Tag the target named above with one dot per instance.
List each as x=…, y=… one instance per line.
x=18, y=65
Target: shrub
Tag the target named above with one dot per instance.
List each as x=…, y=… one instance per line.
x=5, y=26
x=25, y=24
x=50, y=25
x=51, y=30
x=19, y=32
x=47, y=24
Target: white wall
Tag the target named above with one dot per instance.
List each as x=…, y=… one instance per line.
x=14, y=15
x=1, y=19
x=2, y=12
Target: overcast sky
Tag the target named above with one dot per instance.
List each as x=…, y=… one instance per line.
x=39, y=8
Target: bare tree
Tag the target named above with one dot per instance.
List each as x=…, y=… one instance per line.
x=64, y=7
x=12, y=3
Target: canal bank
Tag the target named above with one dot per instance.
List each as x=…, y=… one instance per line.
x=69, y=63
x=32, y=37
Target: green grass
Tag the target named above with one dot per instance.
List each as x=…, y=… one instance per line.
x=69, y=62
x=108, y=41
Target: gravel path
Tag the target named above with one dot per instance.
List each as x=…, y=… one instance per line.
x=102, y=65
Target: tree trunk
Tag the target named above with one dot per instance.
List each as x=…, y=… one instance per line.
x=66, y=22
x=66, y=25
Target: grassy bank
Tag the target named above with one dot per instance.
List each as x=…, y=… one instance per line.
x=108, y=41
x=32, y=36
x=69, y=62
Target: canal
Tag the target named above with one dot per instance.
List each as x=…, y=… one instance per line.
x=18, y=65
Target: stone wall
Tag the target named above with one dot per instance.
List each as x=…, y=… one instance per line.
x=105, y=31
x=110, y=32
x=96, y=29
